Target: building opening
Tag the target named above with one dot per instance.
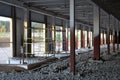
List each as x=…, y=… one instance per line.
x=38, y=38
x=5, y=39
x=59, y=39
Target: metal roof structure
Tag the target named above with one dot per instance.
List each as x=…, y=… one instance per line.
x=83, y=8
x=60, y=8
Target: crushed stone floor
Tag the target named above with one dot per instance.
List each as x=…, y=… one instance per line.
x=108, y=68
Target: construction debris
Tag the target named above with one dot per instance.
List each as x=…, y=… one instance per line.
x=86, y=69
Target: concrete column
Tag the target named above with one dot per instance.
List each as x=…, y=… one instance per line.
x=82, y=38
x=96, y=33
x=103, y=38
x=66, y=24
x=88, y=37
x=108, y=36
x=72, y=36
x=76, y=37
x=91, y=39
x=113, y=40
x=117, y=35
x=115, y=29
x=117, y=40
x=112, y=37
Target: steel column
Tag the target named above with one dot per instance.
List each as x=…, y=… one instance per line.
x=46, y=35
x=29, y=40
x=72, y=36
x=96, y=32
x=13, y=14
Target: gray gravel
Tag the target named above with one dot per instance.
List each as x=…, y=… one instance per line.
x=108, y=68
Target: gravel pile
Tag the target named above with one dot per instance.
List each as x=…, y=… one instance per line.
x=108, y=68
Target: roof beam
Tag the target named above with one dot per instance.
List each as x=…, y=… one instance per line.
x=50, y=3
x=30, y=1
x=13, y=3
